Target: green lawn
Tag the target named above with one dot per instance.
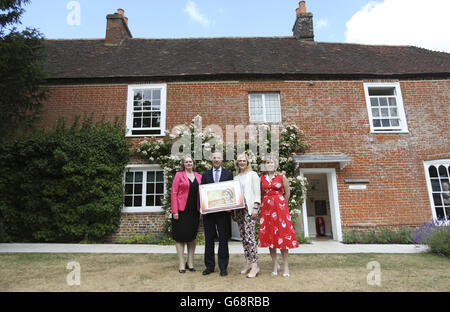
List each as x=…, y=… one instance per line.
x=138, y=272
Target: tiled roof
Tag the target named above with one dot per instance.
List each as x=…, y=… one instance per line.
x=203, y=57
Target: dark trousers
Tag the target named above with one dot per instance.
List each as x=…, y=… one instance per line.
x=221, y=221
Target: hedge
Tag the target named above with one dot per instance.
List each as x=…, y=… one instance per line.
x=64, y=185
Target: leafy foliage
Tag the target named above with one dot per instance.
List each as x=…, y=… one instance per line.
x=65, y=185
x=22, y=73
x=435, y=234
x=401, y=236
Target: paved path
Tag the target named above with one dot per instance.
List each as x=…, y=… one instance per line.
x=317, y=247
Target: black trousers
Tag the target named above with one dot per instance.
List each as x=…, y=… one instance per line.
x=221, y=221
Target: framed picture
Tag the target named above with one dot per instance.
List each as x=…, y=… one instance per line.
x=221, y=196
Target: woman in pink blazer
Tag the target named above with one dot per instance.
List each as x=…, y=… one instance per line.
x=185, y=206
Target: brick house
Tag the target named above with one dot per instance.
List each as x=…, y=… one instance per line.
x=376, y=117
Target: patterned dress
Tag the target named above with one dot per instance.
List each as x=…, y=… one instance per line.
x=275, y=226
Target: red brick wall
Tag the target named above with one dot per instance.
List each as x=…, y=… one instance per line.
x=334, y=118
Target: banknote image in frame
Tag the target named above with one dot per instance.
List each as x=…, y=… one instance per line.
x=221, y=196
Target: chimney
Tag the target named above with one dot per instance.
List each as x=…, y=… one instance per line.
x=303, y=28
x=117, y=28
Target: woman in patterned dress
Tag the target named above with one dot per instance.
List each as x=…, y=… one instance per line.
x=275, y=226
x=246, y=217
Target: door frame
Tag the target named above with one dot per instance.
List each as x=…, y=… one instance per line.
x=333, y=198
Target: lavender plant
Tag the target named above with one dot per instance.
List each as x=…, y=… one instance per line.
x=435, y=234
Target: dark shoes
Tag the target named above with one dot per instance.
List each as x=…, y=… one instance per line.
x=207, y=271
x=190, y=269
x=187, y=266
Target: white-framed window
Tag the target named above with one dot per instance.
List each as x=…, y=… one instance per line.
x=146, y=110
x=385, y=107
x=437, y=173
x=144, y=188
x=264, y=107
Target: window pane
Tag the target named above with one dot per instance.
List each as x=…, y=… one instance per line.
x=383, y=102
x=433, y=172
x=385, y=122
x=392, y=101
x=384, y=112
x=375, y=112
x=129, y=177
x=256, y=108
x=150, y=176
x=159, y=188
x=137, y=201
x=382, y=91
x=137, y=105
x=394, y=112
x=440, y=213
x=137, y=122
x=150, y=200
x=138, y=95
x=447, y=212
x=158, y=200
x=443, y=171
x=128, y=201
x=146, y=122
x=395, y=122
x=147, y=94
x=156, y=105
x=374, y=101
x=150, y=188
x=159, y=176
x=138, y=176
x=147, y=105
x=138, y=189
x=435, y=185
x=156, y=95
x=129, y=189
x=376, y=123
x=156, y=120
x=437, y=199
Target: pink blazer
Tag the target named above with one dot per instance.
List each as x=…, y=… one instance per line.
x=180, y=191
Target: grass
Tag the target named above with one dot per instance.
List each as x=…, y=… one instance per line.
x=159, y=272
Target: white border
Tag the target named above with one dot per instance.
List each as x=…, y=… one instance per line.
x=333, y=197
x=400, y=107
x=130, y=99
x=147, y=208
x=426, y=165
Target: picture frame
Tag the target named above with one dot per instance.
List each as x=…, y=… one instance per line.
x=221, y=196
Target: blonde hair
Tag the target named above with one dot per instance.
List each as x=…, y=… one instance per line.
x=183, y=159
x=275, y=162
x=238, y=169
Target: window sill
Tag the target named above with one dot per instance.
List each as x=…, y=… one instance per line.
x=389, y=132
x=142, y=209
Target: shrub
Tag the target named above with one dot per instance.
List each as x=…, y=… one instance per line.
x=64, y=185
x=435, y=234
x=402, y=236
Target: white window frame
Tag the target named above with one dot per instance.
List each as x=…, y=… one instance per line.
x=130, y=100
x=143, y=208
x=427, y=165
x=264, y=108
x=403, y=126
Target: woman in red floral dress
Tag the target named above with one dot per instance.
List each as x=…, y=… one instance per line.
x=275, y=226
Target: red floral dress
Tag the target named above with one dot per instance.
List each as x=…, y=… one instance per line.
x=275, y=226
